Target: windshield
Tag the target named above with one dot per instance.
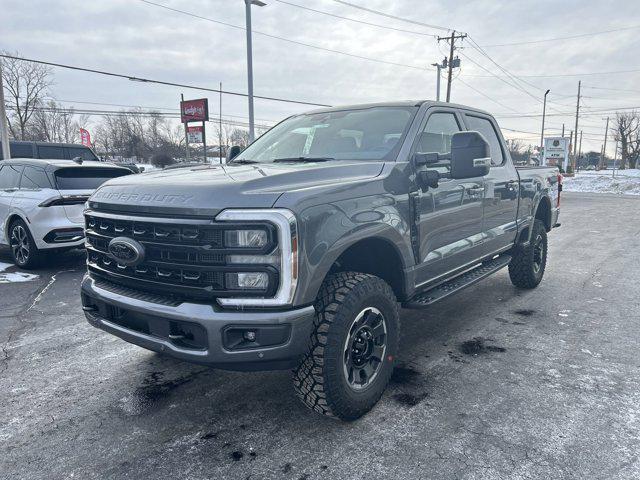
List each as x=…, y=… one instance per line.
x=371, y=133
x=86, y=178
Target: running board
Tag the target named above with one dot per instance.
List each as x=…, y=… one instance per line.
x=435, y=294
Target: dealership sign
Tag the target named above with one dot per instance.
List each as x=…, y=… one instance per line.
x=195, y=134
x=556, y=151
x=194, y=110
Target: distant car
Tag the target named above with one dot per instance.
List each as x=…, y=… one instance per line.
x=53, y=151
x=42, y=202
x=57, y=151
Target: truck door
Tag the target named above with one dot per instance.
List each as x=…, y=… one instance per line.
x=500, y=204
x=449, y=217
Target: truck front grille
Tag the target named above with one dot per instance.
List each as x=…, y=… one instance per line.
x=182, y=258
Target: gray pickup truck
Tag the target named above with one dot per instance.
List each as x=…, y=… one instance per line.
x=299, y=251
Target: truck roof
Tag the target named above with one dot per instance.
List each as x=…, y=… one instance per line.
x=399, y=103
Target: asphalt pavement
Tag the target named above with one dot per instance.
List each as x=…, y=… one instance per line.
x=493, y=383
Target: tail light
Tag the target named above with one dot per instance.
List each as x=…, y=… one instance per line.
x=65, y=200
x=559, y=188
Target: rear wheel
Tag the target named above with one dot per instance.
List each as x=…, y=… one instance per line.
x=527, y=266
x=23, y=249
x=352, y=348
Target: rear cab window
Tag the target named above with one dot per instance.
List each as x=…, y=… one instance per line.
x=486, y=127
x=86, y=178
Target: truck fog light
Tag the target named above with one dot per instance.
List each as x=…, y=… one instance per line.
x=247, y=280
x=250, y=336
x=245, y=238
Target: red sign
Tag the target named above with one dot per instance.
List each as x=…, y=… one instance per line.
x=194, y=134
x=194, y=110
x=85, y=138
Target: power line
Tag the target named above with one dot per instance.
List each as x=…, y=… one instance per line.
x=160, y=82
x=561, y=38
x=559, y=75
x=123, y=113
x=388, y=15
x=388, y=27
x=295, y=42
x=486, y=96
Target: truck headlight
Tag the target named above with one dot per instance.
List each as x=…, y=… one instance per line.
x=245, y=238
x=284, y=257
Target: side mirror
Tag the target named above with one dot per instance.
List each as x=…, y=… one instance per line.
x=470, y=155
x=233, y=152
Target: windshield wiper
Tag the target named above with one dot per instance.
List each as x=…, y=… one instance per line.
x=243, y=161
x=303, y=159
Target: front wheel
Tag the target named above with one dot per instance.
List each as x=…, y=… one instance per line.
x=352, y=348
x=528, y=264
x=23, y=249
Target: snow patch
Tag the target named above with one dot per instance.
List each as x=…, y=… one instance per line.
x=14, y=277
x=625, y=182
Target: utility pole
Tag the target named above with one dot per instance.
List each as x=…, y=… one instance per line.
x=186, y=131
x=603, y=158
x=4, y=127
x=220, y=126
x=579, y=150
x=575, y=144
x=563, y=130
x=438, y=68
x=452, y=40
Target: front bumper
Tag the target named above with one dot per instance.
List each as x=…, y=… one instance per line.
x=209, y=334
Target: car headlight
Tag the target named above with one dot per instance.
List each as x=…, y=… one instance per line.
x=251, y=235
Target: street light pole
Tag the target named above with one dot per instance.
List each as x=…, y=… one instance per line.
x=544, y=113
x=438, y=68
x=248, y=4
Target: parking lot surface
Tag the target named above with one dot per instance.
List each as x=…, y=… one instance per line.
x=491, y=383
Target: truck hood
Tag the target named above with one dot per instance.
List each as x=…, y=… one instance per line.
x=207, y=190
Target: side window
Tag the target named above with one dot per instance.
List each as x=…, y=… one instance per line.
x=21, y=150
x=49, y=151
x=10, y=176
x=82, y=152
x=33, y=178
x=486, y=128
x=437, y=133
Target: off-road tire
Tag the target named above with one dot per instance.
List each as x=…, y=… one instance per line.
x=526, y=269
x=319, y=380
x=34, y=257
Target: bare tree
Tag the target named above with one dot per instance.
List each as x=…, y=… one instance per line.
x=520, y=153
x=54, y=123
x=25, y=84
x=626, y=128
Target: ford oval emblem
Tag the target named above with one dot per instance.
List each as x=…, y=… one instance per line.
x=126, y=251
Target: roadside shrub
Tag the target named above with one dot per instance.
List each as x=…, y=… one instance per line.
x=162, y=160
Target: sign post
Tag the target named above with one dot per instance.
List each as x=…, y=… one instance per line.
x=195, y=111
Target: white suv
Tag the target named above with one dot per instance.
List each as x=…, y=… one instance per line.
x=42, y=203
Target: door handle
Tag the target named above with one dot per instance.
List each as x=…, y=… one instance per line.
x=512, y=184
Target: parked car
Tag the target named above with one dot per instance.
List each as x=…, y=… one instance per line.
x=57, y=151
x=298, y=251
x=42, y=202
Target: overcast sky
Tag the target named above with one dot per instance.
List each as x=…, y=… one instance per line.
x=135, y=38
